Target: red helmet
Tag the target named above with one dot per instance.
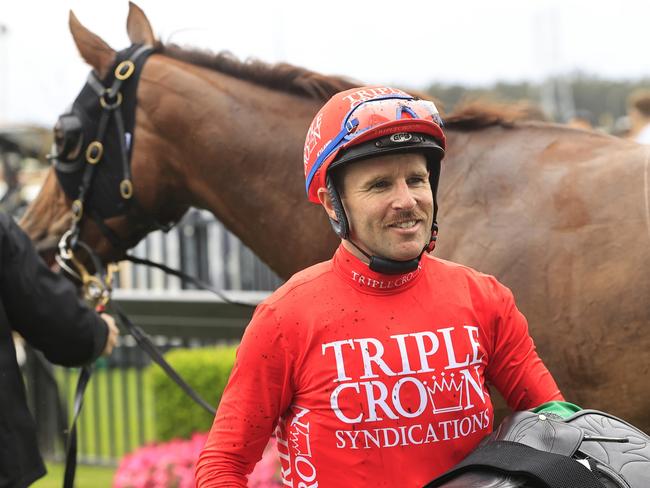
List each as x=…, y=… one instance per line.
x=364, y=114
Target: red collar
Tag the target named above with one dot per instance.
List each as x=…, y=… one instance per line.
x=357, y=273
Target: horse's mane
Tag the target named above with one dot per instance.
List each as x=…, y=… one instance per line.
x=478, y=114
x=280, y=76
x=303, y=82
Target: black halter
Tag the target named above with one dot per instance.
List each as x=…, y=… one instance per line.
x=95, y=141
x=104, y=115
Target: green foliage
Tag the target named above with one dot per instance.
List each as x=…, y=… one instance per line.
x=451, y=95
x=207, y=371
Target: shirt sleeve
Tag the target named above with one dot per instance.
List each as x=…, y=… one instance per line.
x=259, y=390
x=43, y=306
x=514, y=367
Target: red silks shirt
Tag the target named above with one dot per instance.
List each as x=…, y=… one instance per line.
x=370, y=379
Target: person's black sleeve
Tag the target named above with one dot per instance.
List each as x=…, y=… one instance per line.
x=43, y=306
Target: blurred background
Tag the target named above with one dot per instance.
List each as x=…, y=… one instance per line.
x=558, y=53
x=575, y=62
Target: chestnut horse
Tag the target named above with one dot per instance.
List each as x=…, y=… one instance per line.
x=559, y=215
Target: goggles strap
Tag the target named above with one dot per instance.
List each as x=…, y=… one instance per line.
x=334, y=143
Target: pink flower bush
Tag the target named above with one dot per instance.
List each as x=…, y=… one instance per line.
x=172, y=464
x=267, y=471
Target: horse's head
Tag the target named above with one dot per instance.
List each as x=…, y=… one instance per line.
x=103, y=184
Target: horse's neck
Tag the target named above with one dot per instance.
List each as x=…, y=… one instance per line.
x=237, y=148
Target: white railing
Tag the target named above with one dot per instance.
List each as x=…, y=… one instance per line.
x=202, y=247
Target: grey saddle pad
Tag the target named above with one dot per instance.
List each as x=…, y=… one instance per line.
x=616, y=453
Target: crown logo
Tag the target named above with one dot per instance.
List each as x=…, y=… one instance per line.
x=299, y=432
x=446, y=394
x=300, y=442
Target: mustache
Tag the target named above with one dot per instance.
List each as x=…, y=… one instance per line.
x=405, y=216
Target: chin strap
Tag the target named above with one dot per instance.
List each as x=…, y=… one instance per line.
x=388, y=266
x=434, y=237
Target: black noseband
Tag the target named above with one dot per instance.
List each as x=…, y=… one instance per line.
x=94, y=144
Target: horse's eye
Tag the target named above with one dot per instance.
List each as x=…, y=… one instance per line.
x=68, y=137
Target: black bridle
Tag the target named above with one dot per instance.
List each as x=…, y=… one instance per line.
x=94, y=142
x=104, y=115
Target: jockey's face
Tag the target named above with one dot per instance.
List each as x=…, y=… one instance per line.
x=389, y=205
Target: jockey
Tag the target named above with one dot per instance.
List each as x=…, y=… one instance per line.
x=373, y=367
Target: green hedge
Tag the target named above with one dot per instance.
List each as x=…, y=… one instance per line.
x=207, y=371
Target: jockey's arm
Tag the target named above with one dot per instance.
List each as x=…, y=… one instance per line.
x=515, y=368
x=260, y=389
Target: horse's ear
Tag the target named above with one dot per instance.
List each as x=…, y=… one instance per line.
x=92, y=48
x=138, y=26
